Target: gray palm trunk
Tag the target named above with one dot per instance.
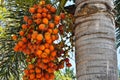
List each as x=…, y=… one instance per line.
x=96, y=57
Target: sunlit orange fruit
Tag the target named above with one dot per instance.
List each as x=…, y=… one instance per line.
x=45, y=20
x=39, y=37
x=32, y=10
x=14, y=37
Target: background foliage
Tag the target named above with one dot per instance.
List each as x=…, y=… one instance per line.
x=117, y=18
x=117, y=8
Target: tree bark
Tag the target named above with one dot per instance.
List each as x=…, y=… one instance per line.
x=96, y=57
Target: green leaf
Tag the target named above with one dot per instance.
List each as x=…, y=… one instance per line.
x=1, y=2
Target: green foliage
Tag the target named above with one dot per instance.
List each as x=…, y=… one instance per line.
x=117, y=37
x=3, y=11
x=11, y=63
x=67, y=74
x=117, y=8
x=2, y=32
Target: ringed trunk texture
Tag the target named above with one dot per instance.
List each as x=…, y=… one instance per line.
x=96, y=57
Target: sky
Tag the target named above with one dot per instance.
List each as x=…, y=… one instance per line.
x=69, y=3
x=118, y=56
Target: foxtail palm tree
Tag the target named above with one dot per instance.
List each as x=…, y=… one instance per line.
x=96, y=57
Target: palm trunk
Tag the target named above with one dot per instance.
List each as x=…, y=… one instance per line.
x=96, y=57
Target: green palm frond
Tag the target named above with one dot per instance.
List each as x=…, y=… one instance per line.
x=117, y=8
x=12, y=63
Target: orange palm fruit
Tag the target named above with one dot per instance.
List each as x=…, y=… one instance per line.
x=38, y=42
x=46, y=75
x=25, y=18
x=46, y=45
x=50, y=70
x=14, y=37
x=28, y=36
x=52, y=58
x=42, y=2
x=42, y=47
x=20, y=43
x=55, y=31
x=21, y=49
x=32, y=76
x=45, y=20
x=34, y=46
x=38, y=15
x=38, y=76
x=47, y=51
x=53, y=9
x=42, y=78
x=37, y=21
x=34, y=16
x=49, y=41
x=32, y=10
x=37, y=70
x=30, y=66
x=51, y=64
x=51, y=25
x=24, y=39
x=21, y=33
x=24, y=26
x=44, y=55
x=61, y=27
x=52, y=76
x=39, y=37
x=31, y=70
x=45, y=60
x=45, y=67
x=40, y=64
x=47, y=36
x=48, y=6
x=62, y=15
x=61, y=66
x=29, y=21
x=57, y=18
x=27, y=51
x=56, y=37
x=50, y=31
x=39, y=10
x=69, y=64
x=42, y=27
x=56, y=22
x=51, y=48
x=38, y=52
x=26, y=71
x=44, y=15
x=46, y=28
x=35, y=6
x=16, y=48
x=49, y=16
x=55, y=67
x=54, y=53
x=24, y=77
x=53, y=37
x=34, y=35
x=45, y=10
x=31, y=30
